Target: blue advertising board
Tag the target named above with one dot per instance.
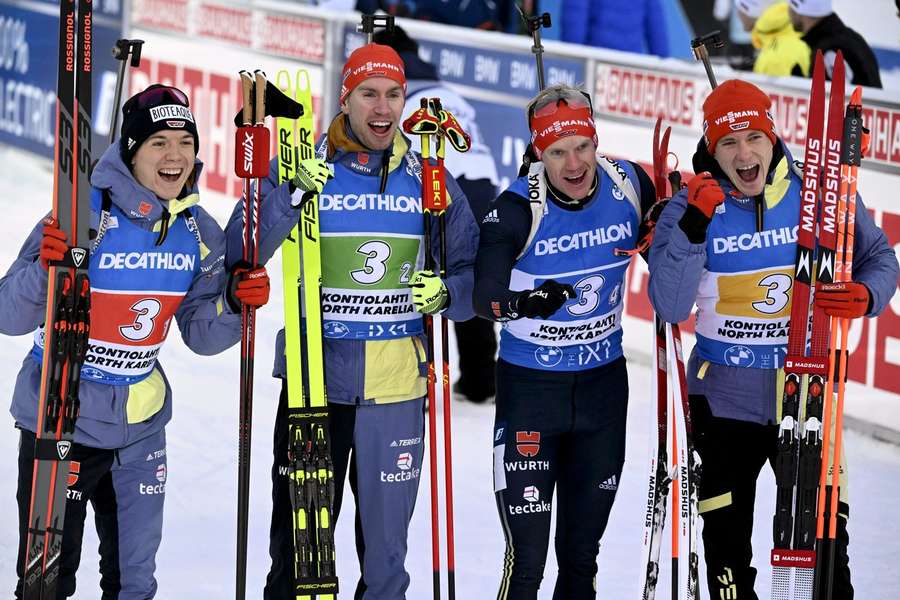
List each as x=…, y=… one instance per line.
x=498, y=84
x=28, y=57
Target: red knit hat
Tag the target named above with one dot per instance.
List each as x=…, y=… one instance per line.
x=372, y=60
x=735, y=106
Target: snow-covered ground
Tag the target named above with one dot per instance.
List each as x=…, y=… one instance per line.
x=197, y=555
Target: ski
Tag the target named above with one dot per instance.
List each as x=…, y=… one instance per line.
x=67, y=322
x=311, y=473
x=678, y=473
x=797, y=468
x=853, y=147
x=686, y=463
x=658, y=474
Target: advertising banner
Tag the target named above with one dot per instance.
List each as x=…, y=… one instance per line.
x=28, y=57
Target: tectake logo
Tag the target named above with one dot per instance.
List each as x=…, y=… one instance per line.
x=532, y=497
x=404, y=461
x=531, y=493
x=407, y=471
x=161, y=473
x=154, y=489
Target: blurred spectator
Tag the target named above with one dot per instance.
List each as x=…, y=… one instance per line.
x=476, y=173
x=479, y=14
x=823, y=30
x=629, y=25
x=781, y=51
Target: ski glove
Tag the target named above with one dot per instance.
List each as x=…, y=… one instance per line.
x=844, y=299
x=310, y=179
x=53, y=243
x=543, y=301
x=429, y=294
x=247, y=286
x=704, y=194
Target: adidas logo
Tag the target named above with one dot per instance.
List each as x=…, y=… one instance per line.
x=610, y=484
x=491, y=217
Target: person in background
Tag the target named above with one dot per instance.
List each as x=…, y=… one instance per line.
x=476, y=173
x=632, y=26
x=781, y=52
x=823, y=30
x=745, y=180
x=144, y=207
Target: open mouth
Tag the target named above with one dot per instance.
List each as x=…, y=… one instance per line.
x=576, y=179
x=170, y=175
x=380, y=127
x=748, y=174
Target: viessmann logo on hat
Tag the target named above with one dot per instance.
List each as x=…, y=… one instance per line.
x=171, y=111
x=373, y=67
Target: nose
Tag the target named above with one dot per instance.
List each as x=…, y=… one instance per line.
x=572, y=161
x=744, y=149
x=382, y=105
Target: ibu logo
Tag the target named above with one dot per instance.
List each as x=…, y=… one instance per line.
x=739, y=356
x=548, y=356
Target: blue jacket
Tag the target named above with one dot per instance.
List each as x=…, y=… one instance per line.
x=117, y=416
x=634, y=26
x=358, y=371
x=677, y=266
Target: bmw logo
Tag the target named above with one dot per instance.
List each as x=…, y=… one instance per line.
x=336, y=329
x=548, y=356
x=740, y=356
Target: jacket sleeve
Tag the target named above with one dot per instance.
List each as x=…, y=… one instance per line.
x=655, y=29
x=676, y=265
x=501, y=241
x=462, y=242
x=276, y=219
x=206, y=322
x=874, y=260
x=23, y=290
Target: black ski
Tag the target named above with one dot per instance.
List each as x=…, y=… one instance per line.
x=67, y=323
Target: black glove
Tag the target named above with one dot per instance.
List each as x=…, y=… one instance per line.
x=543, y=301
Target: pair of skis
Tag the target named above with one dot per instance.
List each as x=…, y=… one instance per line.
x=310, y=472
x=680, y=473
x=825, y=234
x=431, y=121
x=67, y=322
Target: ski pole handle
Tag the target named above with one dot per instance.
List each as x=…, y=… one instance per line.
x=701, y=53
x=370, y=22
x=121, y=51
x=251, y=143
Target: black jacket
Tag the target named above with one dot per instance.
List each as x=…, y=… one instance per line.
x=830, y=34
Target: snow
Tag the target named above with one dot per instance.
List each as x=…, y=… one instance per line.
x=196, y=559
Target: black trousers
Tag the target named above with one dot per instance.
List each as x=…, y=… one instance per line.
x=733, y=454
x=475, y=338
x=562, y=430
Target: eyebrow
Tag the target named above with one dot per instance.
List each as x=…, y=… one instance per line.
x=366, y=88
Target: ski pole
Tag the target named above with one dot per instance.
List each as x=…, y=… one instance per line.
x=425, y=125
x=251, y=161
x=534, y=23
x=121, y=52
x=701, y=53
x=459, y=139
x=370, y=22
x=853, y=147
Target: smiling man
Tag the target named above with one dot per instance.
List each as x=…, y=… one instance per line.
x=728, y=243
x=547, y=269
x=373, y=298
